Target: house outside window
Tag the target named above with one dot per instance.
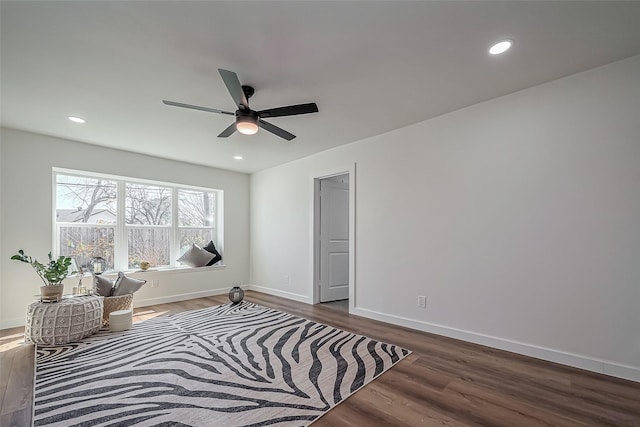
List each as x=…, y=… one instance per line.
x=127, y=221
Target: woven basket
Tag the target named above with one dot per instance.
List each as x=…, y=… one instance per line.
x=120, y=302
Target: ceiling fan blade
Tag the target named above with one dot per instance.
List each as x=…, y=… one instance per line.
x=291, y=110
x=195, y=107
x=276, y=130
x=228, y=131
x=234, y=87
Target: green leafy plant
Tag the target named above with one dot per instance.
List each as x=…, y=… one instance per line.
x=51, y=274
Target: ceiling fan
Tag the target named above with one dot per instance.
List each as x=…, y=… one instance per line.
x=247, y=120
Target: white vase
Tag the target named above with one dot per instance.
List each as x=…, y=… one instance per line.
x=51, y=293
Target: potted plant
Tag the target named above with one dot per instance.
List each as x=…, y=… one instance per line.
x=52, y=274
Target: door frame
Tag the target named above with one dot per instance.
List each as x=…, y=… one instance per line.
x=351, y=172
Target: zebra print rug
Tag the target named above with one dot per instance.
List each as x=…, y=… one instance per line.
x=242, y=365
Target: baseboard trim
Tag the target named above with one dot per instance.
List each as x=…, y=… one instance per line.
x=621, y=371
x=279, y=293
x=181, y=297
x=590, y=364
x=12, y=323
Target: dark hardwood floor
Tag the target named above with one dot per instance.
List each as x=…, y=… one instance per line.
x=444, y=382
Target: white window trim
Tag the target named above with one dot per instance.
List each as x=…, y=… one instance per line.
x=120, y=236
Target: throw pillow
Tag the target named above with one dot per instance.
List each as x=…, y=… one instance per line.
x=103, y=285
x=195, y=256
x=210, y=247
x=126, y=285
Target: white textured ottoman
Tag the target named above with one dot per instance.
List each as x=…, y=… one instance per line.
x=120, y=320
x=57, y=323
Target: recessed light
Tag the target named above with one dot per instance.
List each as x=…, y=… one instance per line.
x=501, y=47
x=237, y=157
x=76, y=119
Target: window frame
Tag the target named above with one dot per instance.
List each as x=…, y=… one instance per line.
x=121, y=227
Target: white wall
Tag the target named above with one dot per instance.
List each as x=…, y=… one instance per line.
x=518, y=218
x=26, y=216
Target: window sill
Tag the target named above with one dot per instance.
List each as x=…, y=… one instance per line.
x=178, y=270
x=166, y=270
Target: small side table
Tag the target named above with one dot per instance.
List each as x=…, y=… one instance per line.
x=120, y=320
x=69, y=320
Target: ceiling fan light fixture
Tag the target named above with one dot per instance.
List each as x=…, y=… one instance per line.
x=247, y=128
x=247, y=122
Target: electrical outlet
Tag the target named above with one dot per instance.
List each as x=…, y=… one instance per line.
x=422, y=301
x=287, y=279
x=155, y=283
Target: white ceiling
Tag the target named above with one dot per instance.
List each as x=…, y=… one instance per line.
x=370, y=66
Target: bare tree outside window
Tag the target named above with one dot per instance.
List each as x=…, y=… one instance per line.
x=85, y=217
x=196, y=208
x=147, y=205
x=148, y=220
x=196, y=217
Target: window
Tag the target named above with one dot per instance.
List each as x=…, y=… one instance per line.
x=148, y=224
x=86, y=217
x=196, y=216
x=126, y=221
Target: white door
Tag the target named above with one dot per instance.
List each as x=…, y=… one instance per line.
x=334, y=238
